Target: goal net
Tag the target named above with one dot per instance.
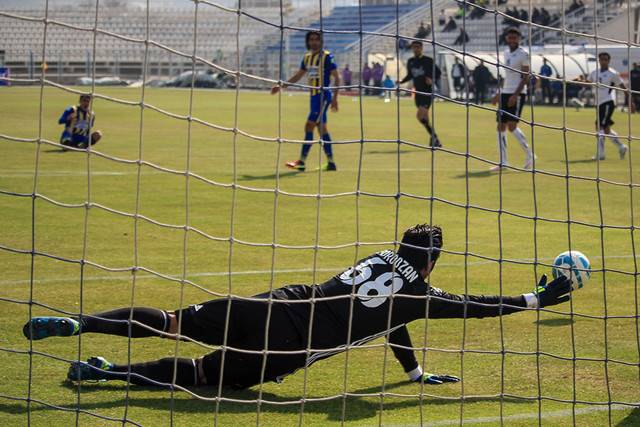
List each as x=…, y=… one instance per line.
x=181, y=183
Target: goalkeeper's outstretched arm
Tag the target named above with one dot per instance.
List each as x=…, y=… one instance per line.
x=443, y=305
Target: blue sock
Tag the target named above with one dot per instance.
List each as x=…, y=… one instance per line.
x=327, y=147
x=308, y=136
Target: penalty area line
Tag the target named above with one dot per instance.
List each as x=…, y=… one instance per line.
x=114, y=277
x=526, y=416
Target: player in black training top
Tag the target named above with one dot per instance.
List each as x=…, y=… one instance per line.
x=421, y=70
x=388, y=289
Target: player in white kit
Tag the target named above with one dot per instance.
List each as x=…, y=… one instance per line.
x=606, y=79
x=511, y=98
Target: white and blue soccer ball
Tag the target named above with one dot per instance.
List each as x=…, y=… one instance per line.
x=574, y=265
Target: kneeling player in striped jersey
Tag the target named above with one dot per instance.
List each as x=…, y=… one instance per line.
x=78, y=120
x=376, y=298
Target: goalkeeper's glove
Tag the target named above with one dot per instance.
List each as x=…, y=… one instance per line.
x=435, y=379
x=421, y=377
x=556, y=292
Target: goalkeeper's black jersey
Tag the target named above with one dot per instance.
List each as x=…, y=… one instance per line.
x=380, y=284
x=418, y=69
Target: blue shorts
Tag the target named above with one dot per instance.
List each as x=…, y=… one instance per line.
x=74, y=140
x=319, y=103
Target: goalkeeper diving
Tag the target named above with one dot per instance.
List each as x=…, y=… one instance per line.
x=389, y=290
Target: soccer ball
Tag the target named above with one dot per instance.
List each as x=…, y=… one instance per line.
x=574, y=265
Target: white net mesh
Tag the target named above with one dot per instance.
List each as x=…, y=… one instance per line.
x=186, y=199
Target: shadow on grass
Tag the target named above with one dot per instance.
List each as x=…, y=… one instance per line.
x=478, y=174
x=56, y=150
x=269, y=176
x=390, y=151
x=555, y=322
x=357, y=407
x=578, y=161
x=631, y=420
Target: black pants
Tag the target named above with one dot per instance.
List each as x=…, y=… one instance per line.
x=636, y=100
x=378, y=85
x=546, y=91
x=242, y=365
x=480, y=93
x=367, y=82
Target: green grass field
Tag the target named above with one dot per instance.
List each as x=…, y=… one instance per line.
x=232, y=194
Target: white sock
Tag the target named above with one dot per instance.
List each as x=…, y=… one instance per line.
x=523, y=142
x=600, y=146
x=613, y=136
x=502, y=147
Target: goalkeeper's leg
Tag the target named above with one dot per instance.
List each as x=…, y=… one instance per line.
x=148, y=322
x=187, y=372
x=239, y=369
x=205, y=322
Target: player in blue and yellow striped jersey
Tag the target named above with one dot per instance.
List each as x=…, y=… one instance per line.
x=320, y=66
x=78, y=121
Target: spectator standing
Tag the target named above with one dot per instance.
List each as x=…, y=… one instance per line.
x=442, y=18
x=377, y=74
x=463, y=37
x=366, y=78
x=389, y=86
x=556, y=91
x=346, y=75
x=481, y=79
x=545, y=83
x=634, y=83
x=458, y=76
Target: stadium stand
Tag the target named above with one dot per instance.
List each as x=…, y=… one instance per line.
x=483, y=34
x=173, y=28
x=346, y=19
x=264, y=58
x=259, y=37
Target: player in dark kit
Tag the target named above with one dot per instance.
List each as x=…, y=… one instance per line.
x=421, y=70
x=380, y=295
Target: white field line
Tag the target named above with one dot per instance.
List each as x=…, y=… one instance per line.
x=524, y=416
x=21, y=174
x=156, y=172
x=114, y=277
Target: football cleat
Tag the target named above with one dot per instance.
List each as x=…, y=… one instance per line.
x=94, y=369
x=498, y=168
x=528, y=165
x=622, y=151
x=42, y=327
x=435, y=142
x=297, y=165
x=331, y=166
